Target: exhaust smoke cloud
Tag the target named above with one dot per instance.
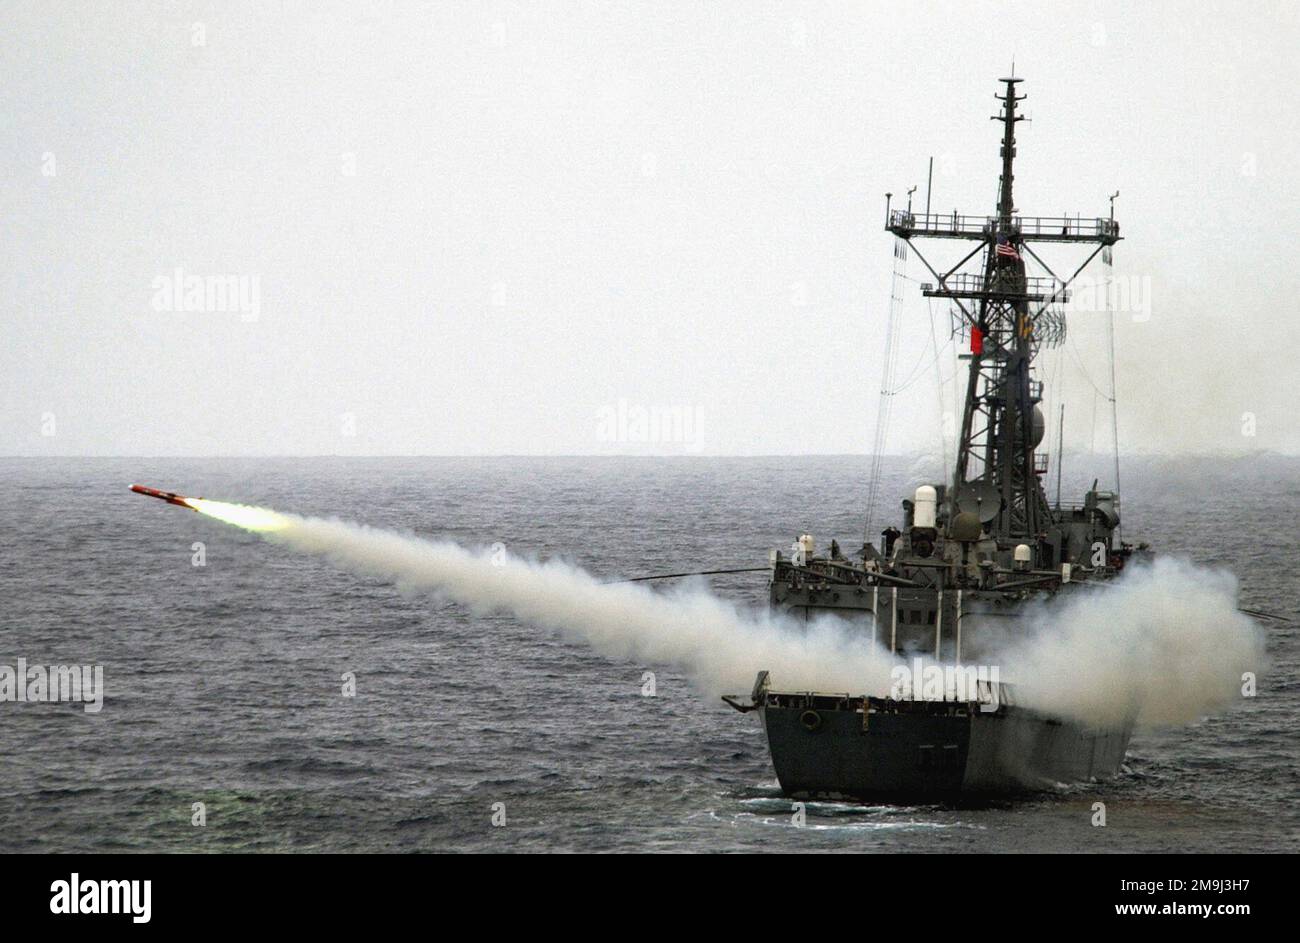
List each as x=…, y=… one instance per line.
x=1165, y=644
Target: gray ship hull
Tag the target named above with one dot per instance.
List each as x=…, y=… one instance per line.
x=826, y=747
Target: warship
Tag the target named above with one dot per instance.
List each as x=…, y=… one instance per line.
x=971, y=552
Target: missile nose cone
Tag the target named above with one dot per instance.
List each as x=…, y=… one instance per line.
x=169, y=496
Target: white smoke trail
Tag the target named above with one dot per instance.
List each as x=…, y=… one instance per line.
x=718, y=646
x=1165, y=645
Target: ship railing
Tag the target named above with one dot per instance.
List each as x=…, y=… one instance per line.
x=996, y=371
x=955, y=225
x=952, y=225
x=1067, y=228
x=1069, y=506
x=973, y=285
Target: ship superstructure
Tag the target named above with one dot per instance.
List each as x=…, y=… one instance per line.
x=970, y=551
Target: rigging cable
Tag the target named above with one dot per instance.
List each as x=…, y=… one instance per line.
x=676, y=576
x=918, y=371
x=955, y=319
x=1092, y=443
x=886, y=381
x=1055, y=404
x=1078, y=362
x=938, y=387
x=1114, y=408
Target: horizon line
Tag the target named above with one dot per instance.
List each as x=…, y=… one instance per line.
x=1221, y=453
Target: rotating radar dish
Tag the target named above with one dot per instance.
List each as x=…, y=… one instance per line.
x=980, y=498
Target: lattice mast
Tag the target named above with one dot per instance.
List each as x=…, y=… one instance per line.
x=997, y=424
x=1009, y=316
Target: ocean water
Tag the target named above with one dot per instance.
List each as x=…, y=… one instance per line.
x=224, y=682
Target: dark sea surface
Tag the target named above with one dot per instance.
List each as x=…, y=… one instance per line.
x=224, y=681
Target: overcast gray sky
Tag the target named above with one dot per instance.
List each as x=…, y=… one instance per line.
x=518, y=228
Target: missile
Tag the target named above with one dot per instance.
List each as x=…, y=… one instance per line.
x=169, y=496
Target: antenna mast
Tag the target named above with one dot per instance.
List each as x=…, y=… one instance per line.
x=1008, y=316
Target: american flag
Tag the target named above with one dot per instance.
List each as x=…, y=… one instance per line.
x=1006, y=248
